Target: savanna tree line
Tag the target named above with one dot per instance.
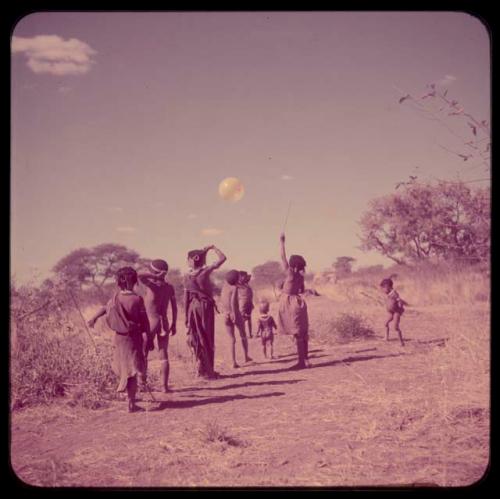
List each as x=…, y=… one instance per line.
x=440, y=221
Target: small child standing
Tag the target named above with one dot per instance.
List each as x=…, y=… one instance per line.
x=395, y=308
x=232, y=315
x=265, y=328
x=245, y=299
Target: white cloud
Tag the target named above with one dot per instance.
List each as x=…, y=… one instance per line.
x=191, y=216
x=63, y=89
x=54, y=55
x=115, y=209
x=447, y=80
x=126, y=228
x=286, y=177
x=211, y=231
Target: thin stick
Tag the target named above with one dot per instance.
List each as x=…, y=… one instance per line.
x=150, y=392
x=83, y=318
x=287, y=213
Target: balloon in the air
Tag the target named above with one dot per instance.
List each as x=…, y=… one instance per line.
x=231, y=189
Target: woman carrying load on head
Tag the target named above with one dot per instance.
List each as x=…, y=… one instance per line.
x=292, y=312
x=200, y=309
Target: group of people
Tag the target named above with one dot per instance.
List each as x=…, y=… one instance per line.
x=137, y=312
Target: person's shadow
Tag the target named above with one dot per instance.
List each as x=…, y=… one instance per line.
x=187, y=404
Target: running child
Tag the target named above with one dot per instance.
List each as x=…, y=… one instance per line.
x=395, y=308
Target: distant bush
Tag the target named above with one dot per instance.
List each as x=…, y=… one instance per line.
x=350, y=327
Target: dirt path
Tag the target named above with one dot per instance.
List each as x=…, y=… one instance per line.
x=358, y=416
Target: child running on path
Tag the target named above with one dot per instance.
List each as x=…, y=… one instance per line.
x=232, y=314
x=126, y=315
x=394, y=307
x=292, y=314
x=158, y=294
x=265, y=328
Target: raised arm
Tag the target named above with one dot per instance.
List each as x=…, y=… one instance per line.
x=284, y=261
x=220, y=260
x=99, y=313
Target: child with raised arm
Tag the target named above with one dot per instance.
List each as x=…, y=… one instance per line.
x=126, y=315
x=265, y=328
x=200, y=309
x=158, y=295
x=292, y=313
x=232, y=314
x=245, y=299
x=395, y=308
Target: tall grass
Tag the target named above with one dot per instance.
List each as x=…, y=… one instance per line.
x=421, y=285
x=46, y=366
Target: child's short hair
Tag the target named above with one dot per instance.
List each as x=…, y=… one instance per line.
x=232, y=277
x=386, y=283
x=263, y=306
x=126, y=277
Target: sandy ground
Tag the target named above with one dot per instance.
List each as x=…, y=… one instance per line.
x=366, y=413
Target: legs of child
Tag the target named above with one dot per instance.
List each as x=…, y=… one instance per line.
x=299, y=339
x=397, y=318
x=131, y=392
x=232, y=340
x=164, y=361
x=387, y=325
x=249, y=320
x=244, y=341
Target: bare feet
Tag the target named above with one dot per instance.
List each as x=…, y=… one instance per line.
x=133, y=407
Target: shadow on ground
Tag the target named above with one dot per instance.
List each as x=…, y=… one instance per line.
x=187, y=404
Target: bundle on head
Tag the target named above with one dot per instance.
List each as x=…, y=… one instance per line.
x=297, y=262
x=126, y=277
x=198, y=257
x=159, y=266
x=232, y=277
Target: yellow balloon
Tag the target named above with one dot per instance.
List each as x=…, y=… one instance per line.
x=231, y=189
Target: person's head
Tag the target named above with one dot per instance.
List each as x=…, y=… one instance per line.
x=232, y=277
x=386, y=285
x=297, y=263
x=159, y=267
x=196, y=258
x=244, y=277
x=263, y=306
x=126, y=278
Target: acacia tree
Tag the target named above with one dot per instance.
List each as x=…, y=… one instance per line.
x=343, y=266
x=268, y=274
x=94, y=267
x=447, y=221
